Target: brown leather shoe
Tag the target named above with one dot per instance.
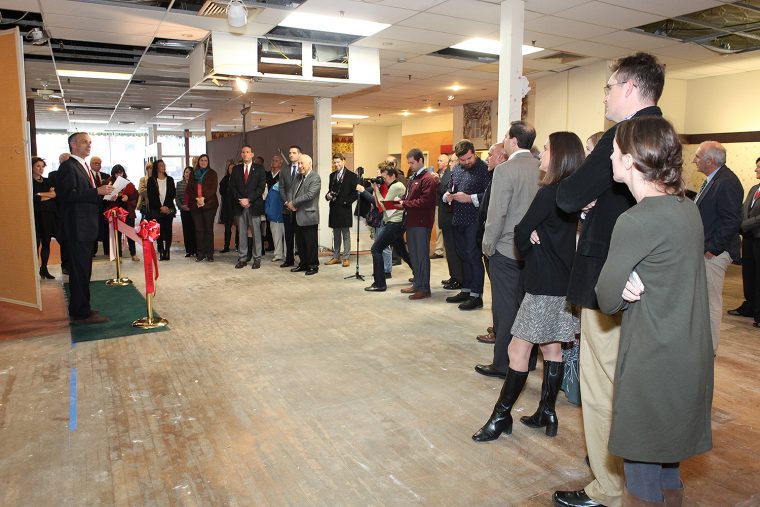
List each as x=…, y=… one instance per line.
x=489, y=330
x=346, y=263
x=408, y=290
x=486, y=338
x=332, y=261
x=93, y=318
x=419, y=295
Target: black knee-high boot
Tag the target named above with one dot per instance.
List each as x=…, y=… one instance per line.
x=501, y=419
x=545, y=414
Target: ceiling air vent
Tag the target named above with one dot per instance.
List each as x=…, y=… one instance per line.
x=218, y=9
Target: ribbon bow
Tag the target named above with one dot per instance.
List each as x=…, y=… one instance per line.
x=148, y=232
x=116, y=217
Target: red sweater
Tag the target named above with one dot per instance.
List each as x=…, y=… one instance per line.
x=420, y=201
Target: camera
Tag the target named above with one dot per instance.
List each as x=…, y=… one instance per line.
x=377, y=180
x=330, y=195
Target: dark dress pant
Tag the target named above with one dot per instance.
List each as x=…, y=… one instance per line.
x=203, y=221
x=306, y=238
x=289, y=221
x=751, y=274
x=506, y=296
x=165, y=237
x=80, y=271
x=390, y=234
x=468, y=250
x=452, y=259
x=418, y=240
x=188, y=232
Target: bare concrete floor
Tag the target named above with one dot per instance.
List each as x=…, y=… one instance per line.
x=273, y=388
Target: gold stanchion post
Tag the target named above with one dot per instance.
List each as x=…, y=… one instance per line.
x=149, y=322
x=119, y=280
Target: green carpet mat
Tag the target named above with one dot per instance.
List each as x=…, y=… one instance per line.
x=122, y=305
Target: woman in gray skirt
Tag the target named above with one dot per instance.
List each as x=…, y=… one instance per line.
x=546, y=240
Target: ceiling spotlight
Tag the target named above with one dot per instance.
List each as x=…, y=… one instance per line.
x=450, y=97
x=37, y=36
x=237, y=14
x=241, y=84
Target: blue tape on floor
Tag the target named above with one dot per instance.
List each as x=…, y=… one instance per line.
x=73, y=400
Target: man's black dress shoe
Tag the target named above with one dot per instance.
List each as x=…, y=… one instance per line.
x=388, y=275
x=375, y=288
x=198, y=259
x=453, y=286
x=489, y=371
x=297, y=269
x=446, y=282
x=256, y=264
x=210, y=258
x=472, y=304
x=459, y=298
x=189, y=255
x=756, y=324
x=574, y=499
x=224, y=250
x=286, y=264
x=738, y=313
x=240, y=264
x=312, y=271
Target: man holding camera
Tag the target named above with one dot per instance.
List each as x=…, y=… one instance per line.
x=341, y=195
x=392, y=231
x=419, y=205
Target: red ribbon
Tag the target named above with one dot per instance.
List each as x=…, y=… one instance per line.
x=148, y=232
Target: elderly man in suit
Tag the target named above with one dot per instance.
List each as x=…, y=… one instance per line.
x=633, y=89
x=247, y=186
x=750, y=307
x=513, y=187
x=288, y=178
x=80, y=198
x=305, y=208
x=720, y=204
x=341, y=195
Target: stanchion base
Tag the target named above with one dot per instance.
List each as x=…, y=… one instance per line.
x=148, y=323
x=119, y=281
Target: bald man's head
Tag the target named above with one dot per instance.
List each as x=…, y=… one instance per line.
x=304, y=164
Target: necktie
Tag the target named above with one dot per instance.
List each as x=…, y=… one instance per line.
x=701, y=189
x=245, y=176
x=757, y=194
x=89, y=174
x=293, y=172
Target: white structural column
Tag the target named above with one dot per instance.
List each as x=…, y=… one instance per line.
x=323, y=162
x=511, y=32
x=207, y=125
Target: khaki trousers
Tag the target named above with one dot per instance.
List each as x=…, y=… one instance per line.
x=600, y=339
x=439, y=249
x=715, y=269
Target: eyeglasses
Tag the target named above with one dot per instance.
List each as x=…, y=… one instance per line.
x=608, y=87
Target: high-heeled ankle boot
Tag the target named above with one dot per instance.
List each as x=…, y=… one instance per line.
x=545, y=414
x=45, y=274
x=501, y=419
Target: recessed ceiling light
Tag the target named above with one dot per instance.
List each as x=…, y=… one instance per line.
x=350, y=116
x=405, y=113
x=490, y=46
x=450, y=97
x=91, y=74
x=334, y=24
x=455, y=88
x=428, y=109
x=55, y=109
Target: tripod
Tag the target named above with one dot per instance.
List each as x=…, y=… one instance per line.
x=357, y=275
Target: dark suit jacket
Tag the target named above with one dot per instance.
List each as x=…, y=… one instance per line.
x=287, y=182
x=154, y=198
x=720, y=204
x=80, y=203
x=751, y=215
x=345, y=195
x=593, y=180
x=444, y=210
x=253, y=190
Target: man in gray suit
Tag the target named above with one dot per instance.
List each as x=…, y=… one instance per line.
x=513, y=187
x=305, y=208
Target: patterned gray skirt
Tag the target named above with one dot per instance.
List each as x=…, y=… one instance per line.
x=545, y=319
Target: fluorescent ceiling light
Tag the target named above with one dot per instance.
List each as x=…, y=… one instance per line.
x=189, y=109
x=334, y=24
x=490, y=46
x=91, y=74
x=172, y=117
x=350, y=116
x=96, y=122
x=162, y=123
x=455, y=88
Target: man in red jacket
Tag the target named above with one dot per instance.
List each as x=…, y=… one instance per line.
x=419, y=207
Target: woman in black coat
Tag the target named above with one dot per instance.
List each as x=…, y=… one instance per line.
x=45, y=213
x=227, y=212
x=161, y=193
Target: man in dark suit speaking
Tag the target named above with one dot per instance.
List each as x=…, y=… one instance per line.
x=80, y=212
x=720, y=204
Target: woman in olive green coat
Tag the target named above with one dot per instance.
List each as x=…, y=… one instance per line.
x=655, y=273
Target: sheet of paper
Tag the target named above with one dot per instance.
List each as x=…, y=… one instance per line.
x=118, y=185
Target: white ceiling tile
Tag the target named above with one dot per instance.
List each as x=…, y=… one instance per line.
x=98, y=11
x=359, y=10
x=686, y=51
x=551, y=6
x=418, y=4
x=634, y=41
x=104, y=37
x=134, y=27
x=467, y=9
x=598, y=50
x=608, y=15
x=554, y=25
x=545, y=40
x=410, y=47
x=439, y=23
x=444, y=63
x=403, y=33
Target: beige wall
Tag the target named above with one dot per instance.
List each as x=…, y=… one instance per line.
x=673, y=103
x=394, y=139
x=740, y=157
x=371, y=146
x=723, y=104
x=427, y=123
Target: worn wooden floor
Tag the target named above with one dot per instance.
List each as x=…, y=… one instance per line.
x=276, y=389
